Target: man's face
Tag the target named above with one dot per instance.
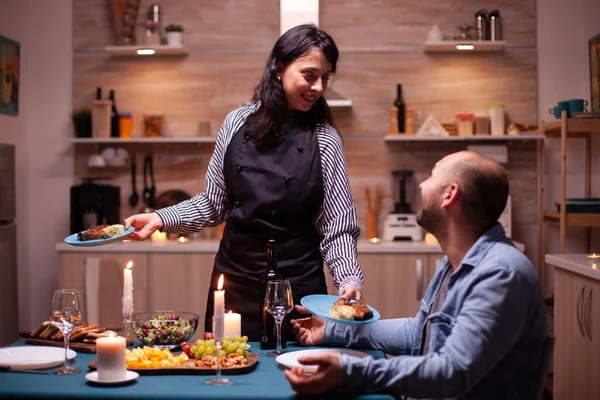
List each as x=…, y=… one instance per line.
x=431, y=216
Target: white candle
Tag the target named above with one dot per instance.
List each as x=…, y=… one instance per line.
x=158, y=237
x=111, y=358
x=233, y=324
x=128, y=289
x=219, y=311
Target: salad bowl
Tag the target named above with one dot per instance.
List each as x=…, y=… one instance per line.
x=165, y=329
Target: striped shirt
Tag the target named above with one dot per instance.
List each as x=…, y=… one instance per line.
x=336, y=221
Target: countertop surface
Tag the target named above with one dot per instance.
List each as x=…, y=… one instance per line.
x=581, y=264
x=211, y=246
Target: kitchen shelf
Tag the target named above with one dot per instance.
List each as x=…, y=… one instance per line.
x=582, y=220
x=134, y=51
x=464, y=46
x=145, y=140
x=395, y=137
x=576, y=127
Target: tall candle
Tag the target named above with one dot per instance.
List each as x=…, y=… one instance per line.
x=233, y=324
x=128, y=289
x=219, y=311
x=111, y=358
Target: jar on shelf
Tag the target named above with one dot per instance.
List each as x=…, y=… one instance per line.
x=125, y=125
x=497, y=119
x=153, y=125
x=465, y=124
x=101, y=118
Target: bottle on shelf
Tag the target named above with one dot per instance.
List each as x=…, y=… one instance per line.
x=268, y=335
x=98, y=93
x=399, y=104
x=114, y=116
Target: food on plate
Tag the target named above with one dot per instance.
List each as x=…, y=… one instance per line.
x=343, y=309
x=232, y=360
x=165, y=330
x=236, y=345
x=152, y=357
x=101, y=232
x=515, y=128
x=81, y=333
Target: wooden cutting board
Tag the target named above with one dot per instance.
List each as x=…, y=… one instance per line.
x=190, y=368
x=89, y=348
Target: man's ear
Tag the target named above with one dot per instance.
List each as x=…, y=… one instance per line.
x=449, y=195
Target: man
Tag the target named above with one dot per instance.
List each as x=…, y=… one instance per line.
x=480, y=328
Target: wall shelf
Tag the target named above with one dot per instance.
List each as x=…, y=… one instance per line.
x=146, y=51
x=146, y=140
x=395, y=137
x=464, y=46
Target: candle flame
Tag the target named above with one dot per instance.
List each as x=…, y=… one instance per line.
x=220, y=284
x=129, y=265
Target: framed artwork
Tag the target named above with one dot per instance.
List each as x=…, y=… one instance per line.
x=9, y=76
x=595, y=72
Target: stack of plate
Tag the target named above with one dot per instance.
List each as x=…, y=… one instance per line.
x=585, y=205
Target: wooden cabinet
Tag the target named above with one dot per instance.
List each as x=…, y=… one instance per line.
x=577, y=330
x=394, y=283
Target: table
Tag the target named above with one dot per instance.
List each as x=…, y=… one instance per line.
x=265, y=382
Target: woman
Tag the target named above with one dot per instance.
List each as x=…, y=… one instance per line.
x=277, y=172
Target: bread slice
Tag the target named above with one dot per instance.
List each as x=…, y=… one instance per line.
x=113, y=231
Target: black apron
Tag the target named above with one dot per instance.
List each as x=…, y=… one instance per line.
x=274, y=194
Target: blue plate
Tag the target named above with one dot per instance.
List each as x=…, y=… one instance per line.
x=320, y=304
x=72, y=240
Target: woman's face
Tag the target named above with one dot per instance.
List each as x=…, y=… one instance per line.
x=305, y=79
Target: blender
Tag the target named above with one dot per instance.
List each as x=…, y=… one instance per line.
x=402, y=223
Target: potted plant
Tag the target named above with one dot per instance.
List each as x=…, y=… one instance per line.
x=82, y=121
x=174, y=34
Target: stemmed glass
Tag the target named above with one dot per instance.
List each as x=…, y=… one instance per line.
x=66, y=314
x=278, y=302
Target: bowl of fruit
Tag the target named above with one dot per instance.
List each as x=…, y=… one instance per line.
x=206, y=347
x=165, y=329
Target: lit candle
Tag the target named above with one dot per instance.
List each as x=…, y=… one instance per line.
x=158, y=237
x=595, y=259
x=182, y=239
x=233, y=324
x=128, y=289
x=219, y=311
x=111, y=358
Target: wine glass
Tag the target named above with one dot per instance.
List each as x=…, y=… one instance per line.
x=66, y=314
x=278, y=302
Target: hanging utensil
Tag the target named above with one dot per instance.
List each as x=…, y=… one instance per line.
x=134, y=198
x=146, y=192
x=152, y=199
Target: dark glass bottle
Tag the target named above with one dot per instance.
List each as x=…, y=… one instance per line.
x=399, y=104
x=268, y=332
x=114, y=116
x=98, y=93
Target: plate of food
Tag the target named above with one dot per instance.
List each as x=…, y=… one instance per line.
x=290, y=359
x=99, y=235
x=338, y=309
x=26, y=357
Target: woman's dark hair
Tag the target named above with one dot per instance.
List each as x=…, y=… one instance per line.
x=266, y=123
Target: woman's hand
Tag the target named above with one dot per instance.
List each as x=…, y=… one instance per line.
x=308, y=331
x=326, y=378
x=144, y=224
x=351, y=292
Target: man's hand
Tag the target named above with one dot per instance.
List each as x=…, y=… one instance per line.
x=326, y=378
x=308, y=331
x=351, y=292
x=144, y=224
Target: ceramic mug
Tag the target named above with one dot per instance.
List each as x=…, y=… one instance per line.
x=577, y=105
x=555, y=111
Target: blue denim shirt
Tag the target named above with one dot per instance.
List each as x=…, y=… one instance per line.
x=486, y=342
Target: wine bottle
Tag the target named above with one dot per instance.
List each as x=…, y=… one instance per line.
x=98, y=93
x=114, y=116
x=399, y=104
x=268, y=332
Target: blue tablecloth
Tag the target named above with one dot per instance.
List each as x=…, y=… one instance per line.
x=265, y=382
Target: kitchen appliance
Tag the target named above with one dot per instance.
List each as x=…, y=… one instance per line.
x=9, y=327
x=94, y=204
x=402, y=223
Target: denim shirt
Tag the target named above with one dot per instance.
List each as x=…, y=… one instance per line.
x=486, y=341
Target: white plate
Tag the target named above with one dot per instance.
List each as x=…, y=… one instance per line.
x=291, y=359
x=34, y=357
x=129, y=376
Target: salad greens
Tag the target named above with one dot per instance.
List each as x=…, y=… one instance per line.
x=167, y=329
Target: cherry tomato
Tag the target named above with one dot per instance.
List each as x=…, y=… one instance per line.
x=186, y=348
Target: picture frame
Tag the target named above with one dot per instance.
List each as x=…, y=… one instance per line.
x=10, y=77
x=594, y=51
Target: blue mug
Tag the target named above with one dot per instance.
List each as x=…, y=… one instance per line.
x=555, y=111
x=577, y=105
x=564, y=106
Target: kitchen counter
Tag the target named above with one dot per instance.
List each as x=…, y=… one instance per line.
x=211, y=246
x=577, y=263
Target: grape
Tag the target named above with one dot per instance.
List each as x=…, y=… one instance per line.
x=210, y=351
x=199, y=342
x=193, y=349
x=239, y=352
x=244, y=338
x=201, y=349
x=223, y=353
x=198, y=355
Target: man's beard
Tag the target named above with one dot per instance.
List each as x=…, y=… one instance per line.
x=430, y=218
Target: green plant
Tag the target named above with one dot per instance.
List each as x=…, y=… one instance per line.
x=174, y=28
x=82, y=121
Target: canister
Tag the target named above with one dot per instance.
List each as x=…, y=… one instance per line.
x=125, y=124
x=101, y=118
x=465, y=124
x=497, y=119
x=153, y=125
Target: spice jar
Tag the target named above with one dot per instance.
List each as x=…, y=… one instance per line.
x=153, y=125
x=125, y=125
x=465, y=124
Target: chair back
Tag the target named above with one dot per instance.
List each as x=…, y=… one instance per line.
x=545, y=366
